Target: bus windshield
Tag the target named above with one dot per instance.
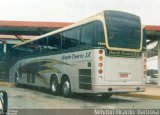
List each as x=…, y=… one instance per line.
x=123, y=30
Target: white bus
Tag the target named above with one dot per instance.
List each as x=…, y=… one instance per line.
x=103, y=54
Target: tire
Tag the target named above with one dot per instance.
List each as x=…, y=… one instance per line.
x=54, y=86
x=66, y=88
x=106, y=96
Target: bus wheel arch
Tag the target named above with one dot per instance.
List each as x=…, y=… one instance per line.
x=66, y=86
x=54, y=86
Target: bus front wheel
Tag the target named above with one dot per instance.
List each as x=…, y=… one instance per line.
x=66, y=88
x=54, y=86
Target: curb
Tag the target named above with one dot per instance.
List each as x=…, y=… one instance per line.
x=7, y=84
x=144, y=96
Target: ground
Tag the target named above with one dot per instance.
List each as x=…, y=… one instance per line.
x=34, y=98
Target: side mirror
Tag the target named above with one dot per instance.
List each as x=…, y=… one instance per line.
x=3, y=102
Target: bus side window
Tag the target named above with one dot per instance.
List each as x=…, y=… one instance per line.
x=87, y=34
x=71, y=38
x=21, y=51
x=32, y=48
x=54, y=42
x=42, y=45
x=99, y=33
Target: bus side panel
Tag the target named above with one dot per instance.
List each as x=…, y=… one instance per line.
x=74, y=65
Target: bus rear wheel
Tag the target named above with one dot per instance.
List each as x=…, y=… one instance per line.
x=106, y=96
x=54, y=86
x=66, y=88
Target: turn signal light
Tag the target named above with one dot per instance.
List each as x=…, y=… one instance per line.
x=100, y=58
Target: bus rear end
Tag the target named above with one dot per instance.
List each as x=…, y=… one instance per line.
x=121, y=64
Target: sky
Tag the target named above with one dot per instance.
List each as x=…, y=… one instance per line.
x=75, y=10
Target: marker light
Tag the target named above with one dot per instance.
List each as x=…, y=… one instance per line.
x=145, y=65
x=100, y=71
x=145, y=60
x=100, y=64
x=100, y=51
x=100, y=77
x=100, y=58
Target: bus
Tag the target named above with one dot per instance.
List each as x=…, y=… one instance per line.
x=103, y=54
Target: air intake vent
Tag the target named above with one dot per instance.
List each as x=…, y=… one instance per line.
x=85, y=79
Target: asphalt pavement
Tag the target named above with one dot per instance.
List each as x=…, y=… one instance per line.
x=33, y=98
x=151, y=92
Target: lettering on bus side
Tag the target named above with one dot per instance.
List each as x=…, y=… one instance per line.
x=101, y=43
x=76, y=56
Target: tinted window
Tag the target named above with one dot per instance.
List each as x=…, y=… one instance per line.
x=42, y=45
x=99, y=38
x=9, y=46
x=123, y=30
x=21, y=51
x=71, y=38
x=32, y=48
x=1, y=50
x=55, y=41
x=87, y=34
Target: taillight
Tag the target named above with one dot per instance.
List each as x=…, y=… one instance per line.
x=145, y=61
x=100, y=65
x=145, y=64
x=100, y=71
x=100, y=51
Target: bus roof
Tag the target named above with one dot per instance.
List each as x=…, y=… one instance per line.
x=86, y=20
x=61, y=29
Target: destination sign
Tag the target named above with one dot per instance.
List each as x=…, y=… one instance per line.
x=123, y=53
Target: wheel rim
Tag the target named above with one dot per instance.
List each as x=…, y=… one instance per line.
x=54, y=86
x=66, y=88
x=17, y=79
